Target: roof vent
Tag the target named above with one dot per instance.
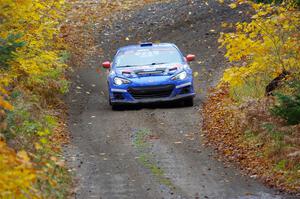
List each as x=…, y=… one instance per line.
x=146, y=44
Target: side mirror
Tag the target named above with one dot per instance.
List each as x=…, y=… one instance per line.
x=190, y=57
x=106, y=64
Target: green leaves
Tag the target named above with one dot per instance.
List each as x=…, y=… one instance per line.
x=289, y=106
x=8, y=47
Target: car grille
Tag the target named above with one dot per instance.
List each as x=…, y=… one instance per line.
x=151, y=91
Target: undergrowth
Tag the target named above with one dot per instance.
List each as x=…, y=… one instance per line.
x=32, y=80
x=262, y=144
x=252, y=116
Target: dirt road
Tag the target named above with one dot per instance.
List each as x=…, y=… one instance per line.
x=153, y=151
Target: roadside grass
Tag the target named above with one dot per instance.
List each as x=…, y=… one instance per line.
x=146, y=159
x=251, y=89
x=140, y=141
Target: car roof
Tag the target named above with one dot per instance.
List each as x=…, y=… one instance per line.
x=146, y=45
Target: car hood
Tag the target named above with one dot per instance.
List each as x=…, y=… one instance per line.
x=146, y=71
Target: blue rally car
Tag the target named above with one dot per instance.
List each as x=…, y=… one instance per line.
x=147, y=73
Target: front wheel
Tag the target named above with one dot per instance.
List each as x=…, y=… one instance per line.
x=115, y=107
x=189, y=102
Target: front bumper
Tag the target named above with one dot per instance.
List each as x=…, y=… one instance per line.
x=155, y=100
x=176, y=92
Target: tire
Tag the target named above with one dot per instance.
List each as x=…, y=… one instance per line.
x=189, y=102
x=115, y=107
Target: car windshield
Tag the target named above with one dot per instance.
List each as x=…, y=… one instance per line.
x=147, y=56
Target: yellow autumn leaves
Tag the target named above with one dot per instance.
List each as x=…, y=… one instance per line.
x=17, y=175
x=37, y=23
x=264, y=47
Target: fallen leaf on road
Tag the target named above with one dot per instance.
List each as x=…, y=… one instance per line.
x=178, y=142
x=224, y=25
x=153, y=137
x=232, y=5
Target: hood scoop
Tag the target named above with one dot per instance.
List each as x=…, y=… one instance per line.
x=152, y=72
x=126, y=72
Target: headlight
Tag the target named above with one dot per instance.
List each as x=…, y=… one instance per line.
x=119, y=81
x=180, y=76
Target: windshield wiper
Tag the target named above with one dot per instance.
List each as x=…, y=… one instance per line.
x=156, y=63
